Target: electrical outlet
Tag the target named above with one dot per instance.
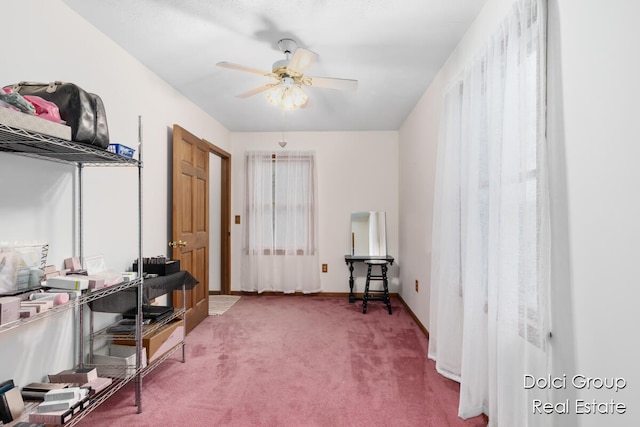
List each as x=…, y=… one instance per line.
x=325, y=268
x=417, y=286
x=237, y=219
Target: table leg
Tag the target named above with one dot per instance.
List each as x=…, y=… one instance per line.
x=352, y=297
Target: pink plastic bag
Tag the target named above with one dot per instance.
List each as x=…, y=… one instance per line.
x=45, y=109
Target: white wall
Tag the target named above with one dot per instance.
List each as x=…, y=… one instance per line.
x=357, y=171
x=54, y=43
x=593, y=134
x=594, y=64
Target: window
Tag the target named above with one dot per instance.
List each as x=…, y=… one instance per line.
x=280, y=203
x=279, y=242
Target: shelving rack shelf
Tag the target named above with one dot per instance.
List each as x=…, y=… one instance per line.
x=81, y=300
x=32, y=144
x=22, y=142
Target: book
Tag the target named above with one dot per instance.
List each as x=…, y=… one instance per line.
x=36, y=386
x=6, y=385
x=153, y=312
x=84, y=402
x=27, y=424
x=62, y=394
x=61, y=416
x=5, y=412
x=56, y=417
x=56, y=405
x=36, y=390
x=33, y=395
x=14, y=402
x=11, y=403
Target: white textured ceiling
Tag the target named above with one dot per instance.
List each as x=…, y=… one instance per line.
x=393, y=48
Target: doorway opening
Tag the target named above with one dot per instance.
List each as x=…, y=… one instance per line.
x=219, y=213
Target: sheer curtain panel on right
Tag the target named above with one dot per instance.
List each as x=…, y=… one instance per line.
x=489, y=320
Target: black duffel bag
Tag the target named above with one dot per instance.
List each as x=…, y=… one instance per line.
x=81, y=110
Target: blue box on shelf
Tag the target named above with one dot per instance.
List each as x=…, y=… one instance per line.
x=122, y=150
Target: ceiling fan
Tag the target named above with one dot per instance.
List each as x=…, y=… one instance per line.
x=286, y=91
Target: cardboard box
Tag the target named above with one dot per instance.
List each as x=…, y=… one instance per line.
x=69, y=393
x=34, y=123
x=163, y=269
x=74, y=283
x=97, y=385
x=40, y=305
x=73, y=263
x=9, y=309
x=163, y=340
x=117, y=361
x=57, y=417
x=95, y=282
x=28, y=311
x=79, y=376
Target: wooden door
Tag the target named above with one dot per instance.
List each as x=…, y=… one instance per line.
x=191, y=220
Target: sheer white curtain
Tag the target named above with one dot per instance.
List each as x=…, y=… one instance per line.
x=490, y=266
x=280, y=226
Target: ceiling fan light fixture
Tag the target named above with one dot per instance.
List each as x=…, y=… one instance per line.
x=287, y=96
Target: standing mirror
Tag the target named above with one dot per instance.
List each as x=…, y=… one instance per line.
x=368, y=234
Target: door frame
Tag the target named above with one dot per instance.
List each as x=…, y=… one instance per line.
x=225, y=218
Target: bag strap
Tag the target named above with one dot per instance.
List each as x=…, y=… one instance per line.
x=51, y=87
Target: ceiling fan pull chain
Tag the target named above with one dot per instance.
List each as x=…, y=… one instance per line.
x=282, y=143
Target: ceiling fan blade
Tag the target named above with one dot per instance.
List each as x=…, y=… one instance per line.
x=256, y=90
x=331, y=83
x=232, y=66
x=301, y=61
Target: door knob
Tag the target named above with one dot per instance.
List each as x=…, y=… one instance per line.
x=178, y=244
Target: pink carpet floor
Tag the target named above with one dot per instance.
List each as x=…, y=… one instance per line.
x=295, y=361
